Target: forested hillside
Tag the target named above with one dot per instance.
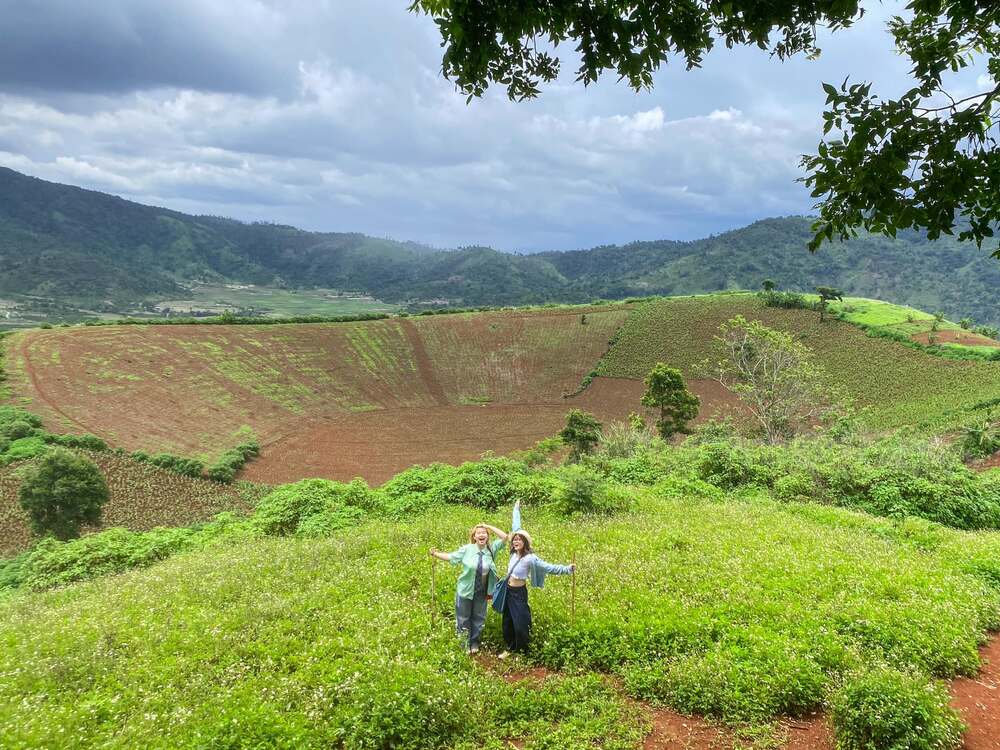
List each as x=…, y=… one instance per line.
x=66, y=243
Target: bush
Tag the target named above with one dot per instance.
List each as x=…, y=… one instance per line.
x=4, y=443
x=888, y=710
x=17, y=429
x=188, y=467
x=87, y=442
x=10, y=414
x=585, y=491
x=623, y=440
x=28, y=447
x=405, y=706
x=229, y=463
x=61, y=492
x=287, y=508
x=729, y=465
x=488, y=484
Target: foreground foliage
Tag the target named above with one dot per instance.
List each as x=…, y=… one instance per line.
x=739, y=591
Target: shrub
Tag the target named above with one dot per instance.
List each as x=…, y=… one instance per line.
x=87, y=442
x=4, y=443
x=10, y=414
x=400, y=705
x=229, y=463
x=28, y=447
x=729, y=465
x=581, y=433
x=889, y=710
x=287, y=508
x=61, y=492
x=796, y=487
x=487, y=484
x=585, y=491
x=17, y=429
x=189, y=467
x=623, y=440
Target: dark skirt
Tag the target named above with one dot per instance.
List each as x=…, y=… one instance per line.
x=516, y=619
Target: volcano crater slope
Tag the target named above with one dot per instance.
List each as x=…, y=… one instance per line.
x=331, y=400
x=368, y=399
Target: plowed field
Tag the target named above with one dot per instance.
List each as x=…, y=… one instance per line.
x=336, y=400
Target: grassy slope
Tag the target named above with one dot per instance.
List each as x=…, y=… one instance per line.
x=902, y=386
x=735, y=609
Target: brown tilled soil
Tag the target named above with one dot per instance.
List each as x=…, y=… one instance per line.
x=377, y=445
x=967, y=338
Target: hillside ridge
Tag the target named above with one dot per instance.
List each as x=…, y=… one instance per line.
x=66, y=243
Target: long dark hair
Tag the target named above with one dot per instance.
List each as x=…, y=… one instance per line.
x=527, y=544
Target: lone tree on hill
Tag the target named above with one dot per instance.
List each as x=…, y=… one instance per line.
x=826, y=294
x=915, y=161
x=61, y=492
x=768, y=285
x=774, y=376
x=665, y=390
x=581, y=433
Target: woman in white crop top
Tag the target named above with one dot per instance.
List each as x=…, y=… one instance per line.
x=523, y=565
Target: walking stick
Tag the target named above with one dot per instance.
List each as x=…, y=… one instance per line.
x=433, y=590
x=572, y=601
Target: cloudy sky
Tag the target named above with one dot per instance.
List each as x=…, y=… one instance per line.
x=331, y=115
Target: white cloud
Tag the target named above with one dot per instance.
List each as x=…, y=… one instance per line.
x=332, y=115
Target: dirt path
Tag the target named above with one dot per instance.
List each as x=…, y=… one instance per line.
x=425, y=368
x=978, y=700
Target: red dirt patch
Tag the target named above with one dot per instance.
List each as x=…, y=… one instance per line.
x=966, y=338
x=978, y=700
x=673, y=731
x=378, y=445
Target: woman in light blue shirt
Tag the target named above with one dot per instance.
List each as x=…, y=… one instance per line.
x=524, y=565
x=476, y=581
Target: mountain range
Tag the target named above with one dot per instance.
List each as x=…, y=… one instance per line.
x=81, y=246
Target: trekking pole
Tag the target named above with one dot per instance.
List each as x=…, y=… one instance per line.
x=433, y=589
x=572, y=601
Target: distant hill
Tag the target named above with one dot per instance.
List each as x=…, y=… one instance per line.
x=72, y=244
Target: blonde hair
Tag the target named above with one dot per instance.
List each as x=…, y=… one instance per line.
x=472, y=533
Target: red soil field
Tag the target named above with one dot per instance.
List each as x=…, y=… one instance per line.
x=966, y=338
x=333, y=400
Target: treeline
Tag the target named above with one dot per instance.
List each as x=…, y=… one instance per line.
x=52, y=237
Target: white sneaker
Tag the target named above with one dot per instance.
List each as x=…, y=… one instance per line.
x=474, y=650
x=503, y=654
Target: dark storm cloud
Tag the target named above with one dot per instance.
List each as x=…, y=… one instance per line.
x=332, y=115
x=125, y=45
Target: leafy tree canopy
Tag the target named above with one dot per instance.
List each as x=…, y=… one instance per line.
x=666, y=391
x=923, y=160
x=61, y=492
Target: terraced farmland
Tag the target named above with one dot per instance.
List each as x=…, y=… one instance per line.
x=372, y=398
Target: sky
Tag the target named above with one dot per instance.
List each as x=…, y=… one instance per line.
x=332, y=115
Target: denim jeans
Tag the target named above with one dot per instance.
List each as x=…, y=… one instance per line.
x=470, y=615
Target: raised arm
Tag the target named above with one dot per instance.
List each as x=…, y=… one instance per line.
x=499, y=532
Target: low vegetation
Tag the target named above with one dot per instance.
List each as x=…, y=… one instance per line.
x=747, y=585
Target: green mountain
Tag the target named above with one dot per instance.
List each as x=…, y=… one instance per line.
x=78, y=245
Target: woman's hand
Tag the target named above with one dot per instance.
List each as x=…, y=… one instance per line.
x=572, y=568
